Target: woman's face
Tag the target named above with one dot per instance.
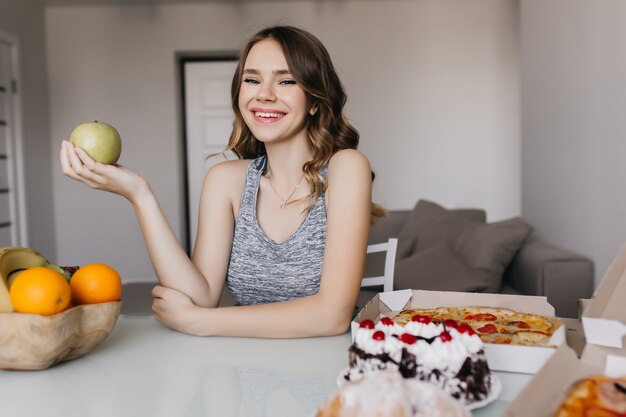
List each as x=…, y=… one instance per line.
x=272, y=103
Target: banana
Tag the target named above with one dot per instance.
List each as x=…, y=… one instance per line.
x=12, y=276
x=58, y=269
x=13, y=258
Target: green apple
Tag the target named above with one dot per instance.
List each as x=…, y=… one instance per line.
x=100, y=140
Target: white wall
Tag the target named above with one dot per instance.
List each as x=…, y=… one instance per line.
x=433, y=88
x=574, y=125
x=25, y=21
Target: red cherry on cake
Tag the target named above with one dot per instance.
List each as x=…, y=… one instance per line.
x=386, y=321
x=407, y=338
x=367, y=324
x=445, y=336
x=451, y=324
x=378, y=335
x=465, y=328
x=421, y=319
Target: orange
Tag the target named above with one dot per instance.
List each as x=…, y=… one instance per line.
x=40, y=290
x=95, y=283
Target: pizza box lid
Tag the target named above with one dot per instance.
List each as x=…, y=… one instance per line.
x=604, y=318
x=523, y=359
x=549, y=387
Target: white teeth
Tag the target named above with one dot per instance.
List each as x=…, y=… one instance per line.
x=263, y=114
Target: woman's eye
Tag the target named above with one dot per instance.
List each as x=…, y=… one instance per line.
x=288, y=82
x=250, y=80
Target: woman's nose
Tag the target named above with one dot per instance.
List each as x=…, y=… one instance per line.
x=266, y=93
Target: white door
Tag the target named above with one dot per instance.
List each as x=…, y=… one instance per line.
x=12, y=213
x=208, y=121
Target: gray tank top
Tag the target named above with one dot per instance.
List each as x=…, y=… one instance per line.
x=262, y=271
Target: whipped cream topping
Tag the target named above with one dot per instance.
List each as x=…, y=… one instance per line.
x=424, y=330
x=441, y=355
x=394, y=328
x=438, y=354
x=472, y=342
x=364, y=340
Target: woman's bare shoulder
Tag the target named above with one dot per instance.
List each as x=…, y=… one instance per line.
x=348, y=160
x=231, y=170
x=226, y=178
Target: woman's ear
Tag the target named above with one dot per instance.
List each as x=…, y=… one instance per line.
x=313, y=110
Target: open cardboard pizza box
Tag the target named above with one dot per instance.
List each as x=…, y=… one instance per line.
x=524, y=359
x=548, y=388
x=604, y=317
x=603, y=320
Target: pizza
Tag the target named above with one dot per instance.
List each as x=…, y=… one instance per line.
x=493, y=325
x=597, y=395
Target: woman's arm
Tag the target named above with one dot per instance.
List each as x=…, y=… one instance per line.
x=173, y=267
x=328, y=312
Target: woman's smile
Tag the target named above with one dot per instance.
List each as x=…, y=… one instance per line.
x=267, y=115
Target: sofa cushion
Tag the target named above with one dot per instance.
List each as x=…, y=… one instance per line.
x=438, y=268
x=425, y=211
x=455, y=251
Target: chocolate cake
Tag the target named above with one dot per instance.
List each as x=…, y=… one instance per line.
x=445, y=355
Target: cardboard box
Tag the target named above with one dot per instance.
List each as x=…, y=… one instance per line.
x=545, y=392
x=524, y=359
x=574, y=335
x=604, y=318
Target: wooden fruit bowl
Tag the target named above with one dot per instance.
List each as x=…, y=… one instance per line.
x=33, y=341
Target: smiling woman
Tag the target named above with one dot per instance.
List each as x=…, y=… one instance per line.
x=273, y=105
x=284, y=227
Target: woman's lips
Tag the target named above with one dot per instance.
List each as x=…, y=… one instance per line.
x=267, y=116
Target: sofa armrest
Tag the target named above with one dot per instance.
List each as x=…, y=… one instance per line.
x=558, y=274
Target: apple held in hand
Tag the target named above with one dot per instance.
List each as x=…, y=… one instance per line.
x=100, y=140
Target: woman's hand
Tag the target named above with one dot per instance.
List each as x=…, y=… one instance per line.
x=116, y=179
x=175, y=310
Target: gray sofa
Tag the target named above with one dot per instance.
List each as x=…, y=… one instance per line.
x=537, y=268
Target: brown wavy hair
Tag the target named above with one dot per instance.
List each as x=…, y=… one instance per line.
x=328, y=130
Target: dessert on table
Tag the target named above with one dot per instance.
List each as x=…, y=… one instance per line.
x=388, y=394
x=447, y=356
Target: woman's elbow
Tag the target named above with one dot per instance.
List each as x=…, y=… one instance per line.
x=335, y=325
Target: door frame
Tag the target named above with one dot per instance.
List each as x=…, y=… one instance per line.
x=19, y=234
x=183, y=58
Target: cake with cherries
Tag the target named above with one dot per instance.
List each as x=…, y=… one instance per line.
x=446, y=355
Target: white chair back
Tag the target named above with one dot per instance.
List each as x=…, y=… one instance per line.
x=386, y=280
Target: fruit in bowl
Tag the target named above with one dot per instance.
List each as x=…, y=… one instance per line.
x=44, y=319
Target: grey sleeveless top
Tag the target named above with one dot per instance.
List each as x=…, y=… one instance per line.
x=262, y=271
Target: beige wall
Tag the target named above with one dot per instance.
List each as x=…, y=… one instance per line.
x=574, y=125
x=433, y=88
x=25, y=21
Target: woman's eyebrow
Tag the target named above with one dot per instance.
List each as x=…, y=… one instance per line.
x=256, y=71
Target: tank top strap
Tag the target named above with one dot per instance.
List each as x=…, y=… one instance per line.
x=255, y=170
x=324, y=171
x=260, y=164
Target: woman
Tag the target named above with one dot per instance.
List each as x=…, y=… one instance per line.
x=285, y=226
